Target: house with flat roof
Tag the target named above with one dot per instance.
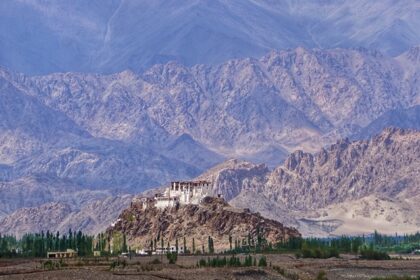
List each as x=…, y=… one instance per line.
x=69, y=253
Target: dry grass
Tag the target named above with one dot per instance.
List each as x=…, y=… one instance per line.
x=281, y=266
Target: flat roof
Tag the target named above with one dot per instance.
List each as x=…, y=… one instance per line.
x=190, y=182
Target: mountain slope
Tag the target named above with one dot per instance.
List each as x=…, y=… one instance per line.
x=92, y=218
x=28, y=127
x=386, y=165
x=41, y=142
x=336, y=188
x=402, y=118
x=115, y=35
x=186, y=149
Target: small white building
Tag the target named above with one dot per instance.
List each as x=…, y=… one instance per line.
x=142, y=252
x=165, y=201
x=171, y=249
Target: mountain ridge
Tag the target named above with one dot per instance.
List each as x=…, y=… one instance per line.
x=111, y=36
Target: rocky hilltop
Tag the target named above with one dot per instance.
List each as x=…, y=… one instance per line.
x=348, y=187
x=213, y=217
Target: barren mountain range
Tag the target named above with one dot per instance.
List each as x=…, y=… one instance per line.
x=76, y=139
x=111, y=36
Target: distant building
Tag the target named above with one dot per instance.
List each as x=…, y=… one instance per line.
x=69, y=253
x=183, y=193
x=165, y=201
x=143, y=252
x=171, y=249
x=96, y=253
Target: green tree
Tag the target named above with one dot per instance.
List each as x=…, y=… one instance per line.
x=262, y=261
x=124, y=245
x=210, y=245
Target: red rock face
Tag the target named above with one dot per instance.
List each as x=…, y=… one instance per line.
x=214, y=217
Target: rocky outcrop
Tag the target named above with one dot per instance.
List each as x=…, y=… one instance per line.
x=213, y=217
x=233, y=176
x=387, y=165
x=316, y=186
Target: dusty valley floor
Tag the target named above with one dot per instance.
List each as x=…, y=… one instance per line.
x=280, y=267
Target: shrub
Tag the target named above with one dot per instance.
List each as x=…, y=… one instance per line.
x=202, y=263
x=288, y=274
x=371, y=254
x=50, y=265
x=155, y=261
x=318, y=253
x=321, y=275
x=118, y=263
x=113, y=265
x=262, y=261
x=172, y=257
x=62, y=263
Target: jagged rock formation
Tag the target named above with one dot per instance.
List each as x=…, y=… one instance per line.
x=233, y=176
x=387, y=165
x=376, y=179
x=213, y=217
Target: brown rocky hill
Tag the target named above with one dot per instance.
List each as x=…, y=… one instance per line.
x=213, y=217
x=348, y=187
